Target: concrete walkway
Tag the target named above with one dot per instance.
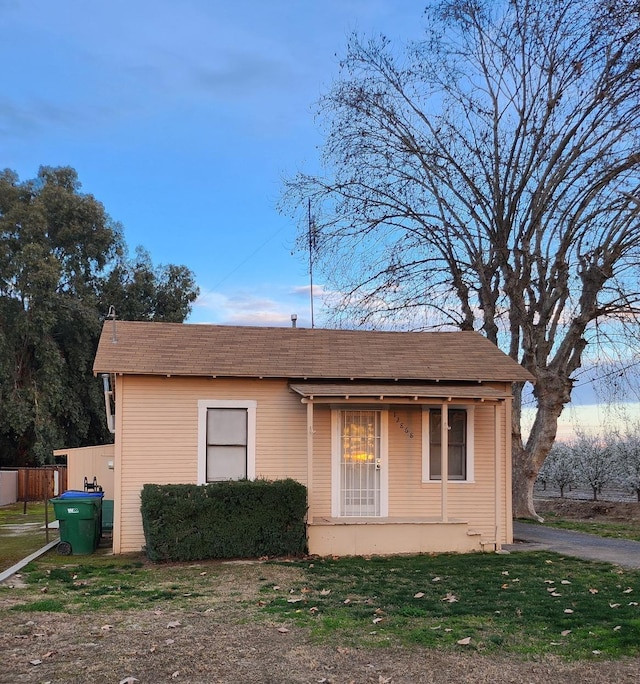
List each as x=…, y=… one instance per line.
x=25, y=561
x=532, y=537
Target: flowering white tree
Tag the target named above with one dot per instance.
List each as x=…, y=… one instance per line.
x=595, y=462
x=560, y=468
x=627, y=449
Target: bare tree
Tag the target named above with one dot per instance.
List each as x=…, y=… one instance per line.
x=487, y=177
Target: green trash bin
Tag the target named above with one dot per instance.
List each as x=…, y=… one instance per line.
x=107, y=515
x=79, y=514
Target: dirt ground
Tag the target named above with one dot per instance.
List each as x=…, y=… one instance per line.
x=613, y=511
x=219, y=645
x=139, y=647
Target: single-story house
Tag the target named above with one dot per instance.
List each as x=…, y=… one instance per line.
x=401, y=438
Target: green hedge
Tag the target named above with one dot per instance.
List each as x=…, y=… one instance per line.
x=236, y=519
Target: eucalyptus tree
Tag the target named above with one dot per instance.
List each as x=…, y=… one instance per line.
x=486, y=177
x=62, y=263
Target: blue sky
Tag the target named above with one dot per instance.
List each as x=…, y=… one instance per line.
x=182, y=119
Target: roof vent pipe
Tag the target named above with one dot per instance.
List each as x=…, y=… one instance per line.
x=294, y=319
x=112, y=316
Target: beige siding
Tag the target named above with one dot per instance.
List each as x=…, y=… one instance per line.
x=90, y=462
x=158, y=440
x=321, y=496
x=409, y=497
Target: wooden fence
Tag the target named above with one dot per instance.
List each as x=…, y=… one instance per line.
x=37, y=484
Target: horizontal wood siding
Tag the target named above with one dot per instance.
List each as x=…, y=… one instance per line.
x=159, y=436
x=90, y=462
x=471, y=501
x=157, y=442
x=408, y=495
x=321, y=463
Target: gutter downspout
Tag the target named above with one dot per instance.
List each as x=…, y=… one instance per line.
x=108, y=398
x=497, y=464
x=310, y=432
x=444, y=461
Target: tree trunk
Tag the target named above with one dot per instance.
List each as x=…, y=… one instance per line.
x=551, y=393
x=524, y=478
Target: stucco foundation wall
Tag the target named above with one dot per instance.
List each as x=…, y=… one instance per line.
x=158, y=441
x=388, y=539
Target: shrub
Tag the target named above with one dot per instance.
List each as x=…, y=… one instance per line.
x=235, y=519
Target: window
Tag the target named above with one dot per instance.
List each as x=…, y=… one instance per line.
x=460, y=444
x=226, y=440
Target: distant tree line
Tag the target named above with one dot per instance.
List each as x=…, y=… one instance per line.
x=63, y=264
x=595, y=463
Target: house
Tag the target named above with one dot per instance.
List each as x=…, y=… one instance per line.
x=91, y=468
x=86, y=465
x=402, y=439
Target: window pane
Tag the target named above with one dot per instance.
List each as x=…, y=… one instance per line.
x=457, y=444
x=227, y=426
x=226, y=463
x=435, y=461
x=457, y=470
x=435, y=421
x=457, y=425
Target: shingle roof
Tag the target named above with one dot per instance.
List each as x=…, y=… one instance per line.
x=390, y=390
x=144, y=348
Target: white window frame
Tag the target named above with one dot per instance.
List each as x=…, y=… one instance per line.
x=426, y=432
x=203, y=406
x=336, y=455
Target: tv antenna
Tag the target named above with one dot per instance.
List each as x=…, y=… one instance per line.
x=313, y=243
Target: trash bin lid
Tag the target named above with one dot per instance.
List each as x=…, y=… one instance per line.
x=78, y=494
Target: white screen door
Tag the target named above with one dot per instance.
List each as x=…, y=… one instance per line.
x=360, y=463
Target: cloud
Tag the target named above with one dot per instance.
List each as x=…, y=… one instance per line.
x=318, y=290
x=246, y=308
x=27, y=117
x=241, y=74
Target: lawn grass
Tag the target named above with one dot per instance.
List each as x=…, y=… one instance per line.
x=525, y=603
x=107, y=583
x=23, y=533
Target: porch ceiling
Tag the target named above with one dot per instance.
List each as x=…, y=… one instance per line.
x=397, y=391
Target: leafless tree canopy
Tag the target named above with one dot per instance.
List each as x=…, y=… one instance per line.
x=487, y=178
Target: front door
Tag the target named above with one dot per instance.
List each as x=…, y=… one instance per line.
x=360, y=463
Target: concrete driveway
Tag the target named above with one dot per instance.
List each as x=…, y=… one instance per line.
x=529, y=536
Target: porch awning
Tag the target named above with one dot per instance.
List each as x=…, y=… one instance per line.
x=381, y=391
